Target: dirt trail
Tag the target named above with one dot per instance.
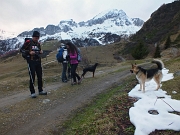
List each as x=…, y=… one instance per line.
x=62, y=107
x=10, y=100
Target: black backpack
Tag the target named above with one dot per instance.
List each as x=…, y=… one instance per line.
x=24, y=54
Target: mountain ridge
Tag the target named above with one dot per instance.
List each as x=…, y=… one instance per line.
x=119, y=19
x=162, y=23
x=105, y=28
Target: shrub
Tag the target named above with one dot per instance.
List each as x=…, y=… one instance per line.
x=168, y=43
x=157, y=52
x=140, y=51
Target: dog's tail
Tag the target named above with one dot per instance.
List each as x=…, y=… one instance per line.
x=159, y=63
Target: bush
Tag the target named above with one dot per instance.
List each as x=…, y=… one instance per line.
x=177, y=39
x=168, y=43
x=157, y=52
x=140, y=51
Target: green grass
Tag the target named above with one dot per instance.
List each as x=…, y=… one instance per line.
x=107, y=114
x=173, y=85
x=177, y=41
x=50, y=45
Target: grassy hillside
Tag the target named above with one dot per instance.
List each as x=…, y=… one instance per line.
x=162, y=23
x=14, y=70
x=109, y=112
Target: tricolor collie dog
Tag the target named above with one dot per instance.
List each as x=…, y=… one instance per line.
x=144, y=75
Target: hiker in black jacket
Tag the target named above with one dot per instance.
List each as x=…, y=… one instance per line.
x=32, y=50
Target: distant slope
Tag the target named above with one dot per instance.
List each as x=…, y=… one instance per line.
x=163, y=22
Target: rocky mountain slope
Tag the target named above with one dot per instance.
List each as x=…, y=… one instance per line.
x=105, y=28
x=163, y=22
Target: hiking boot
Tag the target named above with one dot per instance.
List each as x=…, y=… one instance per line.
x=65, y=81
x=43, y=93
x=33, y=95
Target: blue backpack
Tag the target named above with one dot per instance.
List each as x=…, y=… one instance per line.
x=59, y=55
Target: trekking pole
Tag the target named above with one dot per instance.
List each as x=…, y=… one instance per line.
x=31, y=75
x=70, y=74
x=44, y=81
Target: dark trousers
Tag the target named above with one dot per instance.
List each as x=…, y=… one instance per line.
x=64, y=76
x=34, y=67
x=73, y=72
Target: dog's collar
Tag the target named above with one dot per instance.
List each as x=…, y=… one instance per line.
x=137, y=72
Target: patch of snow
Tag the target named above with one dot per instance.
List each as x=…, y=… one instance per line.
x=145, y=122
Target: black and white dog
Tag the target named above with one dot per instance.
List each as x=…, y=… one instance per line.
x=90, y=69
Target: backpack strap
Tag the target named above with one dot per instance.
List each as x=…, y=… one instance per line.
x=29, y=44
x=25, y=45
x=24, y=49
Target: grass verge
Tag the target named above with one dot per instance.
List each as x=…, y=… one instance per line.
x=169, y=86
x=107, y=114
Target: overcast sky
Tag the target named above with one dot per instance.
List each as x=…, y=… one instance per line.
x=21, y=15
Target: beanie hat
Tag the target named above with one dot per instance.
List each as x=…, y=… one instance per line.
x=36, y=34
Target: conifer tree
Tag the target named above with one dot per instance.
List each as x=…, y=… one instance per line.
x=168, y=43
x=140, y=51
x=157, y=52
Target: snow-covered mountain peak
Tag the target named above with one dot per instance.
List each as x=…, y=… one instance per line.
x=107, y=27
x=110, y=14
x=67, y=22
x=66, y=25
